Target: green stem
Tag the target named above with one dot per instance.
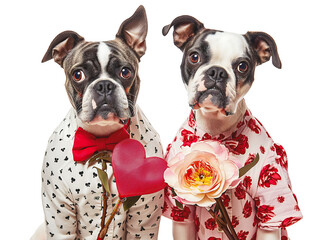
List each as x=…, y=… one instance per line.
x=222, y=224
x=103, y=232
x=105, y=198
x=227, y=219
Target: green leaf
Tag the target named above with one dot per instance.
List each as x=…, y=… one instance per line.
x=249, y=166
x=103, y=178
x=104, y=164
x=173, y=192
x=179, y=205
x=129, y=202
x=100, y=156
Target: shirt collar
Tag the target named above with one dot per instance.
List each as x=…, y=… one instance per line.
x=241, y=125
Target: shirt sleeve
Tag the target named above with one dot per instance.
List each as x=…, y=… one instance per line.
x=144, y=217
x=58, y=205
x=170, y=210
x=277, y=205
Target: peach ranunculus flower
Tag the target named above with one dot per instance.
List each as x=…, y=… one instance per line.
x=201, y=173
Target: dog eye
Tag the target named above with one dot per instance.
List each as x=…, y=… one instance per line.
x=125, y=73
x=78, y=75
x=194, y=57
x=242, y=67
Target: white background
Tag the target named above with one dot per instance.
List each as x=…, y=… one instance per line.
x=289, y=102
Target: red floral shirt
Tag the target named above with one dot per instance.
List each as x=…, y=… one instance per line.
x=264, y=198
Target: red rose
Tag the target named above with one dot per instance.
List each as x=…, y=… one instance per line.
x=247, y=182
x=254, y=237
x=265, y=213
x=289, y=221
x=297, y=208
x=256, y=221
x=241, y=123
x=221, y=137
x=263, y=127
x=251, y=158
x=247, y=211
x=225, y=200
x=240, y=192
x=262, y=149
x=269, y=176
x=282, y=156
x=234, y=221
x=167, y=191
x=242, y=235
x=206, y=136
x=253, y=126
x=197, y=223
x=191, y=120
x=188, y=137
x=240, y=146
x=180, y=215
x=280, y=199
x=257, y=201
x=168, y=149
x=210, y=224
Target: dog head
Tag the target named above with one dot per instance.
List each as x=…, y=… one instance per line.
x=218, y=67
x=102, y=79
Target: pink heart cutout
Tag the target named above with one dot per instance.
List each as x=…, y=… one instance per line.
x=135, y=174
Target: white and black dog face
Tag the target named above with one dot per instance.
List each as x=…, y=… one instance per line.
x=102, y=77
x=218, y=67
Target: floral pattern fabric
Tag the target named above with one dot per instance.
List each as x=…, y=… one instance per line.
x=264, y=198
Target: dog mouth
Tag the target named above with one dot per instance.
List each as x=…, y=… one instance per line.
x=213, y=97
x=211, y=100
x=106, y=113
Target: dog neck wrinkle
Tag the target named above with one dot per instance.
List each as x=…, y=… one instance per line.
x=216, y=123
x=101, y=131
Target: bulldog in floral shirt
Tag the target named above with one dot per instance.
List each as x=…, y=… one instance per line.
x=218, y=70
x=264, y=199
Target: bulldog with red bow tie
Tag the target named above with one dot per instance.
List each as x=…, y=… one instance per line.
x=102, y=83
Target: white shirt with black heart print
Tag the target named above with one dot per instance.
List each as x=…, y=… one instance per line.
x=72, y=192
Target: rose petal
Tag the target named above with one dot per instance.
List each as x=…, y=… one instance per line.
x=231, y=170
x=189, y=196
x=177, y=158
x=218, y=191
x=170, y=178
x=206, y=202
x=202, y=146
x=220, y=150
x=234, y=183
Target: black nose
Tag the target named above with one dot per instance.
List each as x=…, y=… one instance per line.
x=217, y=73
x=104, y=87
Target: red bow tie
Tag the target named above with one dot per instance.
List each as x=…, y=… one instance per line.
x=86, y=144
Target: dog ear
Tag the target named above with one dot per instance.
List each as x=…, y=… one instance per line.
x=265, y=47
x=185, y=27
x=133, y=31
x=61, y=45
